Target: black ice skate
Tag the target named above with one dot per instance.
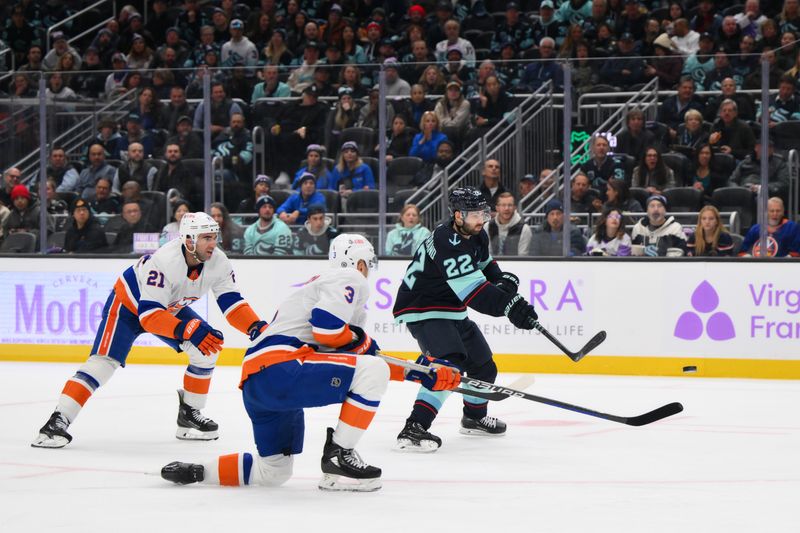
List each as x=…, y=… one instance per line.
x=183, y=473
x=488, y=426
x=416, y=439
x=343, y=469
x=54, y=433
x=192, y=425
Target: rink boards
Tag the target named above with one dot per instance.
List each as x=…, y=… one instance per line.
x=728, y=319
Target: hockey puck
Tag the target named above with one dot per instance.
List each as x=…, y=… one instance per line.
x=690, y=368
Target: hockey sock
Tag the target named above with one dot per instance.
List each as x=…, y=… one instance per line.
x=238, y=469
x=196, y=382
x=427, y=406
x=96, y=371
x=370, y=380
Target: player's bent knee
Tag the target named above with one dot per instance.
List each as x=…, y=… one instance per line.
x=275, y=470
x=100, y=367
x=197, y=358
x=485, y=372
x=371, y=377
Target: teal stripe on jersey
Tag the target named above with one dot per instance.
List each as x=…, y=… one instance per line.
x=483, y=264
x=436, y=399
x=464, y=285
x=473, y=399
x=428, y=315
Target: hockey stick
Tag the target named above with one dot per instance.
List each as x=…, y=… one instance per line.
x=490, y=391
x=520, y=384
x=593, y=343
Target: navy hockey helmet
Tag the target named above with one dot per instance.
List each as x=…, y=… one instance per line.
x=466, y=199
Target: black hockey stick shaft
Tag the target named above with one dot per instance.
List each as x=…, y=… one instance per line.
x=490, y=391
x=593, y=343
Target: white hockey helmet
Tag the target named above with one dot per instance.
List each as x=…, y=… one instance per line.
x=348, y=249
x=194, y=224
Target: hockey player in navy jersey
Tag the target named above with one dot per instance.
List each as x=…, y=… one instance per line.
x=315, y=353
x=453, y=270
x=153, y=296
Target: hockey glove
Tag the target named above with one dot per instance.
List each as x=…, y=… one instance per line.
x=207, y=339
x=520, y=313
x=362, y=344
x=444, y=376
x=508, y=283
x=256, y=328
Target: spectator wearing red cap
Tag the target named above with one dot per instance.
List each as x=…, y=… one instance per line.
x=24, y=214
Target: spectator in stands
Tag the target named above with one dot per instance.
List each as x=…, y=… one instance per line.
x=55, y=206
x=618, y=196
x=103, y=202
x=106, y=43
x=190, y=143
x=261, y=187
x=507, y=66
x=729, y=134
x=706, y=19
x=303, y=76
x=205, y=45
x=11, y=178
x=315, y=236
x=710, y=238
x=408, y=234
x=631, y=20
x=34, y=57
x=222, y=110
x=508, y=232
x=368, y=117
x=491, y=187
x=149, y=108
x=155, y=218
x=395, y=85
x=21, y=87
x=444, y=156
x=398, y=143
x=672, y=110
x=299, y=124
x=345, y=114
x=24, y=215
x=351, y=78
x=219, y=21
x=177, y=108
x=350, y=173
x=428, y=139
x=351, y=50
x=90, y=81
x=97, y=168
x=584, y=199
x=624, y=69
x=753, y=80
x=515, y=29
x=700, y=64
x=722, y=70
x=750, y=19
x=276, y=52
x=452, y=28
x=789, y=17
x=431, y=80
x=601, y=14
x=84, y=233
x=239, y=50
x=609, y=237
x=653, y=174
x=728, y=92
x=235, y=146
x=60, y=47
x=783, y=106
x=268, y=235
x=295, y=209
x=174, y=175
x=417, y=58
x=690, y=134
x=57, y=90
x=134, y=133
x=494, y=104
x=179, y=47
x=140, y=56
x=538, y=73
x=271, y=87
x=456, y=69
x=172, y=230
x=60, y=169
x=655, y=234
x=136, y=168
x=634, y=139
x=748, y=172
x=115, y=82
x=685, y=39
x=601, y=167
x=231, y=234
x=548, y=25
x=133, y=221
x=453, y=110
x=474, y=88
x=19, y=33
x=526, y=184
x=314, y=165
x=704, y=178
x=548, y=241
x=782, y=238
x=787, y=50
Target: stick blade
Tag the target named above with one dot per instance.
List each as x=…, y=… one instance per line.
x=593, y=343
x=655, y=415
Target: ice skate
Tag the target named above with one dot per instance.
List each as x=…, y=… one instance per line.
x=192, y=425
x=343, y=469
x=183, y=473
x=416, y=439
x=54, y=433
x=488, y=426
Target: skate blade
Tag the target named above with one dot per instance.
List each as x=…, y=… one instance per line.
x=194, y=434
x=407, y=446
x=335, y=483
x=43, y=441
x=479, y=433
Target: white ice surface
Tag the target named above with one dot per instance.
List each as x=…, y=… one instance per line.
x=729, y=463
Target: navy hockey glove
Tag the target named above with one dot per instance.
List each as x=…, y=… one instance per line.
x=508, y=283
x=444, y=376
x=256, y=328
x=363, y=344
x=207, y=339
x=520, y=313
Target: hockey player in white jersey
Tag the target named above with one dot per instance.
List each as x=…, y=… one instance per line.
x=314, y=353
x=154, y=296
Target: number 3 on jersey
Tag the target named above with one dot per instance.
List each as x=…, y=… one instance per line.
x=417, y=265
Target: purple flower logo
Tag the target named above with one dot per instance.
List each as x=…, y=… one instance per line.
x=690, y=324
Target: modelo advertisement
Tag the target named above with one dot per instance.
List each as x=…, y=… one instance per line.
x=729, y=310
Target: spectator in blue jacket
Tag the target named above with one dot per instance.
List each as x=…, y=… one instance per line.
x=428, y=140
x=350, y=173
x=295, y=209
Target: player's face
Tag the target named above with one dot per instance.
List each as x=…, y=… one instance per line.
x=471, y=222
x=204, y=247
